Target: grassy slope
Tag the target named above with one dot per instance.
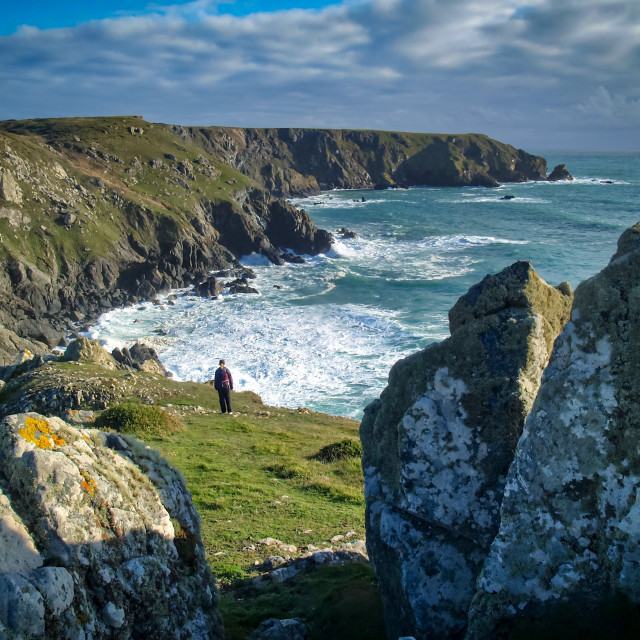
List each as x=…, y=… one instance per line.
x=251, y=476
x=121, y=163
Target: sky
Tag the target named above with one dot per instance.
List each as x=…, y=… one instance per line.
x=537, y=74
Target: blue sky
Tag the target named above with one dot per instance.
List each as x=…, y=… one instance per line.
x=538, y=74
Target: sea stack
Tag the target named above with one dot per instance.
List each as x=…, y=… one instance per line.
x=438, y=445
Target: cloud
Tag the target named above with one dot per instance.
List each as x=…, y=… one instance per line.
x=529, y=72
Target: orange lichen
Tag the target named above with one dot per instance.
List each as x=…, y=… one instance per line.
x=88, y=484
x=60, y=442
x=37, y=432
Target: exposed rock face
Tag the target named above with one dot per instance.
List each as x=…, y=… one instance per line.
x=438, y=444
x=560, y=172
x=98, y=538
x=570, y=529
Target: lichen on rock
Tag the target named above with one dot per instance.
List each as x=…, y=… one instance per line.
x=89, y=525
x=571, y=513
x=438, y=444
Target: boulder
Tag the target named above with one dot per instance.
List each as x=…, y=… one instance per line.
x=569, y=536
x=438, y=443
x=560, y=172
x=210, y=288
x=274, y=629
x=141, y=358
x=97, y=541
x=11, y=345
x=9, y=189
x=89, y=352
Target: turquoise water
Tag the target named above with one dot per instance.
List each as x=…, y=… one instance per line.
x=324, y=334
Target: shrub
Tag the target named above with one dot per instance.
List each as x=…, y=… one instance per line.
x=342, y=450
x=139, y=420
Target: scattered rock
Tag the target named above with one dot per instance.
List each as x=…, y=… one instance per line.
x=274, y=629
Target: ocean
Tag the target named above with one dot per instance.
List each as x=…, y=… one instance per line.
x=324, y=334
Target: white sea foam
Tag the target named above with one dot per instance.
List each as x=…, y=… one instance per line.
x=464, y=242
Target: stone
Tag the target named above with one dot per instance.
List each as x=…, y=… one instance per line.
x=90, y=352
x=560, y=172
x=107, y=543
x=15, y=218
x=570, y=528
x=9, y=189
x=274, y=629
x=438, y=443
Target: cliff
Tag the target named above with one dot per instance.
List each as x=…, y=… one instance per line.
x=294, y=162
x=99, y=212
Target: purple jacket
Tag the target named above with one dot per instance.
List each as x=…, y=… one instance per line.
x=223, y=379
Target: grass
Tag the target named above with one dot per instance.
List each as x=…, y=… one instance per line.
x=252, y=475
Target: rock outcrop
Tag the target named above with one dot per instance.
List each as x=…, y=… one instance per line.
x=438, y=444
x=98, y=538
x=569, y=535
x=560, y=172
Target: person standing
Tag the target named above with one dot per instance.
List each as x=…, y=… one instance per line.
x=223, y=382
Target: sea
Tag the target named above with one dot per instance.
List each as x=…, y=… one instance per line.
x=323, y=335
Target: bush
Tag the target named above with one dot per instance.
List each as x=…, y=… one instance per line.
x=139, y=420
x=342, y=450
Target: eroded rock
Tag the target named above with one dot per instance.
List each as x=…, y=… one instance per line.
x=570, y=529
x=438, y=444
x=97, y=541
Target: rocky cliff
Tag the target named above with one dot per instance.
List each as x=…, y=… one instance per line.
x=96, y=213
x=294, y=162
x=438, y=444
x=98, y=538
x=99, y=212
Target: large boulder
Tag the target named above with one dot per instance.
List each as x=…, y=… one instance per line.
x=98, y=538
x=438, y=444
x=569, y=536
x=89, y=352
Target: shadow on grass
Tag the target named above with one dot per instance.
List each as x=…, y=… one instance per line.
x=340, y=602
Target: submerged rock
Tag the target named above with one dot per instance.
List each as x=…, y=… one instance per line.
x=97, y=541
x=438, y=444
x=570, y=528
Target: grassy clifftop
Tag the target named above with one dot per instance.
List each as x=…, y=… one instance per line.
x=253, y=475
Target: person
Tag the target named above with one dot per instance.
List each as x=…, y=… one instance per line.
x=223, y=382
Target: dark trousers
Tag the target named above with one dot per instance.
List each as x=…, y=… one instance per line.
x=225, y=400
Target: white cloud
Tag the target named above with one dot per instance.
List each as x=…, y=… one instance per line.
x=512, y=68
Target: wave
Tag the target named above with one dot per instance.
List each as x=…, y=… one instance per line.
x=464, y=242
